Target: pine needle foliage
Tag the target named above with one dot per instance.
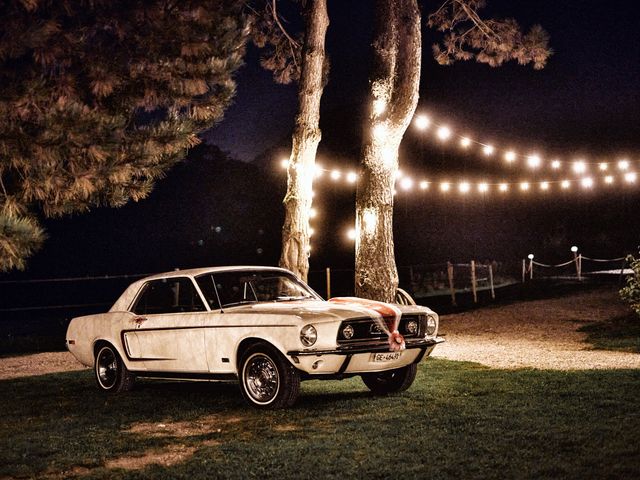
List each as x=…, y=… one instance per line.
x=494, y=41
x=99, y=98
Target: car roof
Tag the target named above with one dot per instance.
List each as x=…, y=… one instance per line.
x=194, y=272
x=127, y=297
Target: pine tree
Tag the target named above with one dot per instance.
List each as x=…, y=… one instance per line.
x=98, y=99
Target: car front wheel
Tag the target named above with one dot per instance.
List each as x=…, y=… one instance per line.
x=111, y=373
x=267, y=379
x=390, y=381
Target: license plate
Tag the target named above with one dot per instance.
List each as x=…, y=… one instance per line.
x=386, y=356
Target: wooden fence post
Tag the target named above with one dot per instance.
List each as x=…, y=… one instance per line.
x=328, y=283
x=474, y=286
x=451, y=285
x=493, y=292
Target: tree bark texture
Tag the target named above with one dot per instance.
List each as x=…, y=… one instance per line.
x=305, y=140
x=394, y=84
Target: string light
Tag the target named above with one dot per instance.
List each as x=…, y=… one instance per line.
x=483, y=187
x=352, y=177
x=608, y=179
x=351, y=234
x=284, y=163
x=422, y=122
x=424, y=185
x=587, y=182
x=406, y=183
x=336, y=174
x=544, y=185
x=444, y=133
x=313, y=213
x=464, y=187
x=579, y=166
x=630, y=177
x=445, y=186
x=603, y=166
x=534, y=161
x=510, y=156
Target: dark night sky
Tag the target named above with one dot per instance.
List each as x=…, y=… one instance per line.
x=585, y=101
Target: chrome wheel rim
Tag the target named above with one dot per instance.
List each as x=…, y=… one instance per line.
x=107, y=368
x=261, y=378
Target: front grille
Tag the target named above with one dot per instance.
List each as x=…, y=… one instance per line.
x=367, y=330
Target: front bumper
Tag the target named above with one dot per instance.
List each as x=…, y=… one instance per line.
x=353, y=359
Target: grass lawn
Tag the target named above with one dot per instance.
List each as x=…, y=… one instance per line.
x=459, y=420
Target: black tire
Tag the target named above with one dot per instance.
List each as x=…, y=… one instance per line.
x=111, y=373
x=391, y=381
x=267, y=379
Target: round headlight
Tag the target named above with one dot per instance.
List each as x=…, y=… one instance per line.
x=432, y=324
x=347, y=332
x=412, y=327
x=308, y=335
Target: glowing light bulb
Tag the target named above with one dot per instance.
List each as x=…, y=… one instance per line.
x=445, y=186
x=608, y=179
x=464, y=187
x=623, y=164
x=313, y=213
x=424, y=185
x=284, y=163
x=351, y=234
x=465, y=142
x=524, y=186
x=335, y=175
x=503, y=187
x=422, y=122
x=399, y=174
x=510, y=156
x=544, y=186
x=603, y=166
x=483, y=187
x=352, y=177
x=565, y=184
x=534, y=161
x=488, y=150
x=630, y=177
x=586, y=182
x=406, y=183
x=579, y=166
x=444, y=133
x=318, y=171
x=311, y=231
x=556, y=164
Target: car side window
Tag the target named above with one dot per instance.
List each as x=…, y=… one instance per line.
x=168, y=295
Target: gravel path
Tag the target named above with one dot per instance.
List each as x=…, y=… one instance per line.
x=536, y=334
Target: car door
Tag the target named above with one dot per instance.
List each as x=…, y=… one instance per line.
x=167, y=333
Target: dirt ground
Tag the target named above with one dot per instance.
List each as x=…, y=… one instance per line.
x=537, y=334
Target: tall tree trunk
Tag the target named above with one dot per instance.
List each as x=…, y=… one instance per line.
x=305, y=140
x=394, y=83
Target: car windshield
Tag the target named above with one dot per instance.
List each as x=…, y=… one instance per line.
x=237, y=288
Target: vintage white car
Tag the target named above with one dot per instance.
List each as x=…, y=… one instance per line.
x=259, y=325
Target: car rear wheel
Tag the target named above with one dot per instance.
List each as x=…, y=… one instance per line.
x=391, y=381
x=267, y=379
x=111, y=373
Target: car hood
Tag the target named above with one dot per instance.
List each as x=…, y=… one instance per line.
x=312, y=310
